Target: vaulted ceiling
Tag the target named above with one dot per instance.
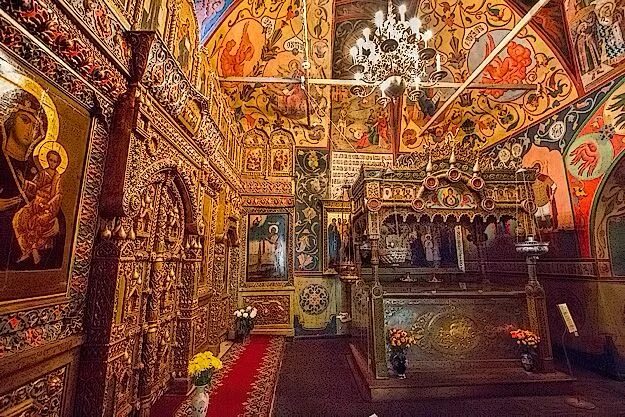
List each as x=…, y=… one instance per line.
x=264, y=38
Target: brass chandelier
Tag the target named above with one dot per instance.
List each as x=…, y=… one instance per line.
x=395, y=57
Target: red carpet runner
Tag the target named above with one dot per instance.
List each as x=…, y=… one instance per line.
x=244, y=387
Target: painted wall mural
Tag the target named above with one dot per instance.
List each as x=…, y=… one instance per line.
x=589, y=157
x=557, y=145
x=609, y=220
x=264, y=39
x=597, y=31
x=551, y=191
x=310, y=187
x=465, y=33
x=41, y=168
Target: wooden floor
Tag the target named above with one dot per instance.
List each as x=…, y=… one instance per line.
x=316, y=380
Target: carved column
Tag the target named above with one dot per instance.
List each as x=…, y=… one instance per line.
x=536, y=304
x=149, y=351
x=378, y=344
x=187, y=314
x=480, y=244
x=107, y=357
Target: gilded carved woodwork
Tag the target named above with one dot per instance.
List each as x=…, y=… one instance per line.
x=268, y=201
x=51, y=26
x=144, y=318
x=42, y=396
x=272, y=309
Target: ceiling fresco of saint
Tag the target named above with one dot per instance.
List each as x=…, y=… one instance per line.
x=265, y=39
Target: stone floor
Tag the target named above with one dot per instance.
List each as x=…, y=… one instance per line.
x=316, y=380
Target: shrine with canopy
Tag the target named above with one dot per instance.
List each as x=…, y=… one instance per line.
x=420, y=231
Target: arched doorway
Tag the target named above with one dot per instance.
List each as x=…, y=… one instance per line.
x=159, y=342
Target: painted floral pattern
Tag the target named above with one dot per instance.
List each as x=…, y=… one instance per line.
x=310, y=187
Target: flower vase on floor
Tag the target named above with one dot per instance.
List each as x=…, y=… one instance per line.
x=528, y=342
x=399, y=362
x=241, y=331
x=201, y=369
x=399, y=340
x=244, y=323
x=528, y=361
x=199, y=401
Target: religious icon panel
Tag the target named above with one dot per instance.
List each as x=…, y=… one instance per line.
x=43, y=150
x=267, y=251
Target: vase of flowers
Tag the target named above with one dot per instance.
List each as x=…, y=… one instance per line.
x=399, y=340
x=244, y=322
x=201, y=369
x=528, y=342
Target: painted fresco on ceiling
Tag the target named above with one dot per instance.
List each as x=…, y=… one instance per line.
x=549, y=22
x=465, y=33
x=209, y=12
x=185, y=37
x=265, y=39
x=358, y=124
x=597, y=31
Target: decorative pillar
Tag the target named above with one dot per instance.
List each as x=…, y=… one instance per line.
x=378, y=339
x=536, y=304
x=187, y=314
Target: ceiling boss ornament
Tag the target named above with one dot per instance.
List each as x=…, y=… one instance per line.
x=395, y=57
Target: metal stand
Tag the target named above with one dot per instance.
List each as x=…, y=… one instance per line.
x=576, y=401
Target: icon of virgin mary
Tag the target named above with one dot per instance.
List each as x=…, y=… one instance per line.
x=24, y=126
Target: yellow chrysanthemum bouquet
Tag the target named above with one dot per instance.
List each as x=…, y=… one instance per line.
x=202, y=366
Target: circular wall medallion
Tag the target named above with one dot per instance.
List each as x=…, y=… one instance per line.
x=516, y=150
x=430, y=182
x=373, y=205
x=453, y=174
x=314, y=299
x=589, y=157
x=418, y=204
x=488, y=204
x=557, y=130
x=477, y=183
